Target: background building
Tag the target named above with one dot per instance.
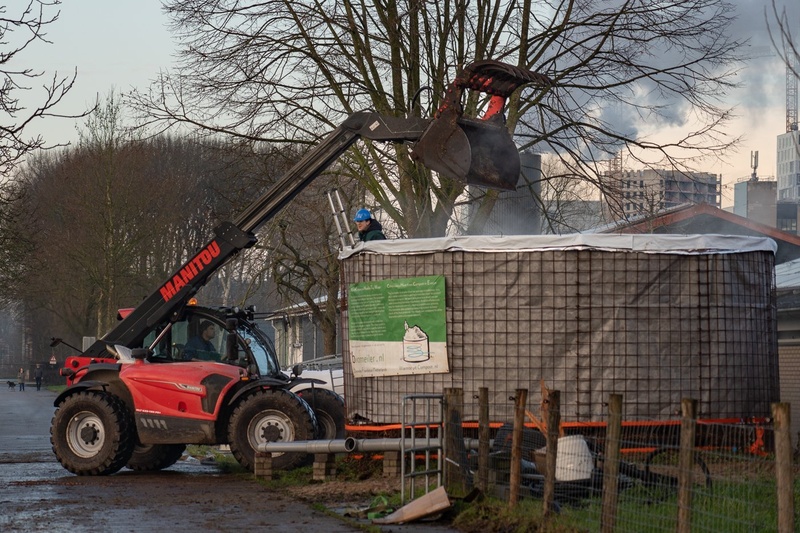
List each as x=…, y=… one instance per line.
x=517, y=212
x=755, y=199
x=788, y=166
x=652, y=190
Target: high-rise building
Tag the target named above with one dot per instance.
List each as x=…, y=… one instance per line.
x=754, y=199
x=788, y=166
x=652, y=190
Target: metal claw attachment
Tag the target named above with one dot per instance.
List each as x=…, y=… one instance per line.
x=478, y=151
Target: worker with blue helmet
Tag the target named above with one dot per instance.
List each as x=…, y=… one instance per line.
x=369, y=229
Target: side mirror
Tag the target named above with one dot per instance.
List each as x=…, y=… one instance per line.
x=297, y=370
x=140, y=353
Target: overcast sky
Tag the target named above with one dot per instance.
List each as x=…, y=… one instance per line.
x=123, y=43
x=113, y=44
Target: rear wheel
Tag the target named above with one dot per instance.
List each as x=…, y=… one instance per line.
x=92, y=433
x=274, y=415
x=328, y=407
x=148, y=457
x=662, y=472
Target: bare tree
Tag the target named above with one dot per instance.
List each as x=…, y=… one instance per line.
x=567, y=203
x=289, y=71
x=108, y=220
x=18, y=30
x=21, y=26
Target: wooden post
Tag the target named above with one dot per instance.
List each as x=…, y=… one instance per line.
x=608, y=516
x=515, y=478
x=483, y=439
x=685, y=464
x=781, y=417
x=551, y=411
x=454, y=451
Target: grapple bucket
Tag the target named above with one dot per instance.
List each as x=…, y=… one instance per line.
x=476, y=151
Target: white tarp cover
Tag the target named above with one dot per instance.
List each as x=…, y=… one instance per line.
x=655, y=318
x=645, y=243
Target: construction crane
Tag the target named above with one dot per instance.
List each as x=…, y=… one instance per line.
x=792, y=71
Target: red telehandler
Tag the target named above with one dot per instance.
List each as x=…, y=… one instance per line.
x=135, y=398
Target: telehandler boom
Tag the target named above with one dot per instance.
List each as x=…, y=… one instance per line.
x=135, y=399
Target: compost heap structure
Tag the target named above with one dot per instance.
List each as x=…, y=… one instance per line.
x=655, y=318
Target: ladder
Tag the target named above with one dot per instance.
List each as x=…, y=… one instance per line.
x=340, y=218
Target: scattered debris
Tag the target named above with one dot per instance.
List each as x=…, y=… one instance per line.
x=430, y=504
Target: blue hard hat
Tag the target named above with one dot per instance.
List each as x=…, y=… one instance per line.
x=362, y=215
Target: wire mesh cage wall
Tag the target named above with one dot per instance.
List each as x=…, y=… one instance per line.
x=654, y=318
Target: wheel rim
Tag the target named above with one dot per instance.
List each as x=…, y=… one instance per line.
x=270, y=426
x=86, y=434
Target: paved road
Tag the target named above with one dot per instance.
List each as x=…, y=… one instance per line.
x=37, y=494
x=25, y=421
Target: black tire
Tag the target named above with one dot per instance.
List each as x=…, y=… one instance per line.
x=92, y=433
x=328, y=407
x=661, y=473
x=152, y=457
x=274, y=415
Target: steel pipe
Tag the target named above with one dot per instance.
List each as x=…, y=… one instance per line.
x=309, y=446
x=355, y=445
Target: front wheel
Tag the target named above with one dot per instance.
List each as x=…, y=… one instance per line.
x=273, y=415
x=92, y=433
x=328, y=407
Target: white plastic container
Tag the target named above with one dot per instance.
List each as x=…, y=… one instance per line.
x=574, y=460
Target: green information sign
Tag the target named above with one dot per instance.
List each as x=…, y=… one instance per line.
x=397, y=327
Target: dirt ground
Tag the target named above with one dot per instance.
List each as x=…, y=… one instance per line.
x=38, y=494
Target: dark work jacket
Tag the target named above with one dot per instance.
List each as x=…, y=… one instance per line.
x=374, y=232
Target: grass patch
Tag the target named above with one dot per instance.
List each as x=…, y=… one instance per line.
x=351, y=468
x=494, y=516
x=348, y=468
x=289, y=478
x=729, y=506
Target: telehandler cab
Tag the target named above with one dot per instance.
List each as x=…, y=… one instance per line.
x=135, y=399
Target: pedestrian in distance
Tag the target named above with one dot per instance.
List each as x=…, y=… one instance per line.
x=38, y=374
x=369, y=229
x=21, y=379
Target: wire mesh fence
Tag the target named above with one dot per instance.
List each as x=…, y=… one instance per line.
x=728, y=483
x=589, y=321
x=655, y=319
